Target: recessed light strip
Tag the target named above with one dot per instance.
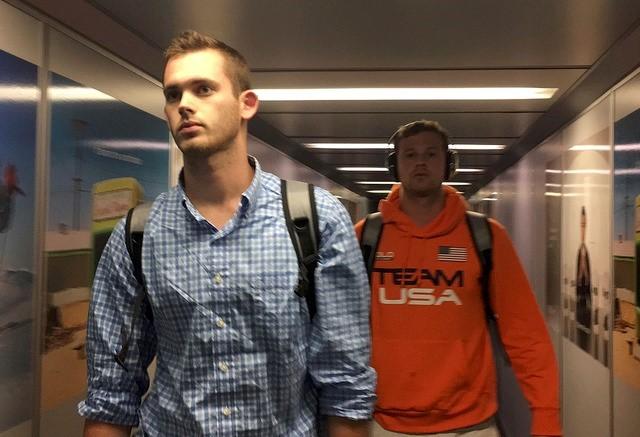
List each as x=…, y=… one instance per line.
x=470, y=170
x=367, y=169
x=363, y=169
x=394, y=94
x=383, y=146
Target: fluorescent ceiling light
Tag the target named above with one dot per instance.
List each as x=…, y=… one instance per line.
x=456, y=184
x=470, y=170
x=627, y=148
x=349, y=146
x=384, y=146
x=587, y=171
x=379, y=191
x=590, y=148
x=10, y=93
x=363, y=169
x=476, y=146
x=56, y=93
x=77, y=94
x=130, y=144
x=554, y=194
x=361, y=94
x=628, y=171
x=586, y=186
x=553, y=185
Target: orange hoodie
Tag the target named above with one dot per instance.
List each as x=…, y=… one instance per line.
x=431, y=346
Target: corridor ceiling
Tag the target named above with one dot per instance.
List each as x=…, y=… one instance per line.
x=580, y=47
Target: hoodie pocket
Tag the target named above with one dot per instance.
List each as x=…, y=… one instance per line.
x=422, y=376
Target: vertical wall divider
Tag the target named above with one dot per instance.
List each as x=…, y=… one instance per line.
x=43, y=129
x=562, y=275
x=612, y=181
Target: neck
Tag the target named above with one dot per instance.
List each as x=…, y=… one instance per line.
x=422, y=209
x=217, y=179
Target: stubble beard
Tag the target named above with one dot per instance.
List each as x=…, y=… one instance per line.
x=204, y=146
x=423, y=191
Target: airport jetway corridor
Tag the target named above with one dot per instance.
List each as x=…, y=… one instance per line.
x=541, y=100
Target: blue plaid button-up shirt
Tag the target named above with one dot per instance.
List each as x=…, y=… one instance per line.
x=237, y=354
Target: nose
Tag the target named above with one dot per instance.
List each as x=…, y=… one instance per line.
x=186, y=105
x=423, y=158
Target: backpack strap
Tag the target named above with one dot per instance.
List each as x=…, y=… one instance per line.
x=133, y=236
x=301, y=216
x=370, y=238
x=482, y=240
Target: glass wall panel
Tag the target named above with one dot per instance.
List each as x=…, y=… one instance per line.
x=106, y=156
x=18, y=100
x=626, y=252
x=586, y=243
x=20, y=55
x=553, y=221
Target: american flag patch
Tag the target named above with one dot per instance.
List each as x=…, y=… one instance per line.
x=449, y=253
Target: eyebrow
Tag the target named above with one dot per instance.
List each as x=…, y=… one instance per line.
x=191, y=82
x=428, y=146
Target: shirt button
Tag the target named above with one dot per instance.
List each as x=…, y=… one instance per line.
x=224, y=367
x=217, y=278
x=220, y=323
x=226, y=411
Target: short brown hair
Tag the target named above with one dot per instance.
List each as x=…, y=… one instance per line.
x=415, y=127
x=236, y=65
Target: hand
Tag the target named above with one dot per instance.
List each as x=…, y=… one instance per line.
x=341, y=427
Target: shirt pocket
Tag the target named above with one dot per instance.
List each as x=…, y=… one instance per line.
x=281, y=316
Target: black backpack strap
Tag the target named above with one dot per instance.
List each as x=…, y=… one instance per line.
x=301, y=216
x=482, y=240
x=370, y=238
x=133, y=236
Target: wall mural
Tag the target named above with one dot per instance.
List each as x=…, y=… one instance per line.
x=626, y=249
x=106, y=157
x=18, y=100
x=586, y=291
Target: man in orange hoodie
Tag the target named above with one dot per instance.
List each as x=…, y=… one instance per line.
x=431, y=346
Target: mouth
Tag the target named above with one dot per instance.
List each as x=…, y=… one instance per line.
x=189, y=126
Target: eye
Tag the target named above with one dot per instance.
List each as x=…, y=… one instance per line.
x=204, y=89
x=171, y=95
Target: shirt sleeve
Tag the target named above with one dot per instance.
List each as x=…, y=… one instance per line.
x=524, y=335
x=114, y=393
x=339, y=350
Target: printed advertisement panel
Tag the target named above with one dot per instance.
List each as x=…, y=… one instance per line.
x=18, y=100
x=106, y=157
x=586, y=200
x=626, y=245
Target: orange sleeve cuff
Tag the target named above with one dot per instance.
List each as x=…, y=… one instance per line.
x=545, y=422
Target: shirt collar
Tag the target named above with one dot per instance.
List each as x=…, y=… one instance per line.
x=248, y=200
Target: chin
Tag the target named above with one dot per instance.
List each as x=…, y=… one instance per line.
x=424, y=191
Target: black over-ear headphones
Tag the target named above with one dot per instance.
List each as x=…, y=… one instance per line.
x=391, y=162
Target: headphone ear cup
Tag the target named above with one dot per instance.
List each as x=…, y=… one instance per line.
x=391, y=162
x=451, y=164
